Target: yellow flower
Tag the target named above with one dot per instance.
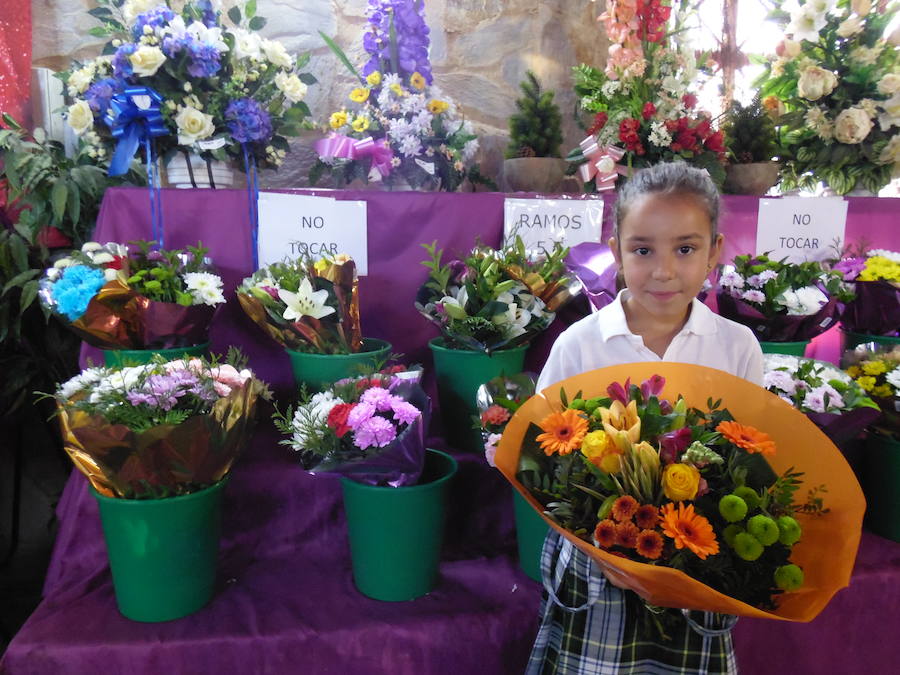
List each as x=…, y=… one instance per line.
x=417, y=81
x=360, y=124
x=882, y=391
x=320, y=265
x=359, y=95
x=397, y=89
x=338, y=119
x=374, y=78
x=866, y=382
x=601, y=452
x=854, y=371
x=436, y=106
x=680, y=482
x=622, y=424
x=648, y=456
x=874, y=367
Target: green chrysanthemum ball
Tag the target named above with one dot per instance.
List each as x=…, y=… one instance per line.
x=747, y=546
x=732, y=508
x=789, y=577
x=591, y=405
x=790, y=531
x=730, y=532
x=764, y=529
x=749, y=495
x=577, y=404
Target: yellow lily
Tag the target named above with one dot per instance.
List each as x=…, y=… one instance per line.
x=622, y=424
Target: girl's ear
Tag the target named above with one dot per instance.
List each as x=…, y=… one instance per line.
x=715, y=251
x=613, y=244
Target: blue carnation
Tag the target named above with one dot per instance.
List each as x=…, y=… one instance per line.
x=247, y=121
x=158, y=17
x=75, y=288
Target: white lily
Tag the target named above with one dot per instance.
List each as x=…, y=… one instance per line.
x=305, y=302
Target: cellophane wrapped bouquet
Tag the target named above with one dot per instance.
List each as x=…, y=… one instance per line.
x=497, y=400
x=781, y=301
x=370, y=429
x=643, y=108
x=875, y=278
x=134, y=297
x=828, y=396
x=397, y=125
x=306, y=305
x=163, y=429
x=878, y=374
x=494, y=299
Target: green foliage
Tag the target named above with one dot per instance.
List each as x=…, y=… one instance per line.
x=749, y=133
x=534, y=131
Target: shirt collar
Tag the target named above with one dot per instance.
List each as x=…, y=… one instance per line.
x=700, y=322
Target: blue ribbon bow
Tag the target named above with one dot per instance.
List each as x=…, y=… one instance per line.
x=133, y=117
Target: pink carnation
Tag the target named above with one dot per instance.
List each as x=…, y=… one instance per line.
x=405, y=413
x=378, y=397
x=375, y=431
x=359, y=414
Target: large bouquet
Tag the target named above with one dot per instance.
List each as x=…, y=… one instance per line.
x=370, y=429
x=690, y=507
x=143, y=298
x=157, y=430
x=835, y=79
x=218, y=87
x=875, y=277
x=397, y=124
x=493, y=299
x=306, y=305
x=879, y=375
x=642, y=106
x=828, y=396
x=781, y=301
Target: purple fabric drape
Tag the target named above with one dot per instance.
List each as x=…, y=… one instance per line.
x=285, y=600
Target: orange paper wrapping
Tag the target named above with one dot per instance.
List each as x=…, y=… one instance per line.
x=827, y=550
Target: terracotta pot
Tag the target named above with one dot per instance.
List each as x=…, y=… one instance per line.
x=534, y=174
x=751, y=179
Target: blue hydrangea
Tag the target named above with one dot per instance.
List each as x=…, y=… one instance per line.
x=75, y=288
x=247, y=121
x=204, y=59
x=157, y=17
x=122, y=68
x=99, y=94
x=210, y=15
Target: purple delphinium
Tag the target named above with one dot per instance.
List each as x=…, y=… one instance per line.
x=850, y=268
x=210, y=16
x=411, y=33
x=375, y=431
x=247, y=121
x=101, y=92
x=157, y=17
x=122, y=68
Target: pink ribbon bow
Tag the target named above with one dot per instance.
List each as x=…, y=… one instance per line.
x=340, y=146
x=601, y=165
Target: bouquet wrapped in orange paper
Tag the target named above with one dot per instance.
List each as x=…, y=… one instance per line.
x=695, y=489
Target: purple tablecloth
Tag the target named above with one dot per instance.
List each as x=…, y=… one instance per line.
x=286, y=601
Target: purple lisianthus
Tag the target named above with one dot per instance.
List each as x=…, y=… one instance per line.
x=155, y=18
x=850, y=268
x=101, y=92
x=122, y=68
x=375, y=431
x=247, y=121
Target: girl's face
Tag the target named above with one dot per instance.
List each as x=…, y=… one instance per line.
x=665, y=251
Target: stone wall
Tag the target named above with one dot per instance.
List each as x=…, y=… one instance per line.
x=480, y=51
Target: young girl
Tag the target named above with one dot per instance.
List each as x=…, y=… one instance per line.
x=665, y=243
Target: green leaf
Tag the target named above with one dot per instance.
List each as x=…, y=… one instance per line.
x=29, y=293
x=257, y=23
x=340, y=54
x=11, y=122
x=250, y=9
x=101, y=13
x=19, y=253
x=99, y=31
x=235, y=15
x=302, y=60
x=74, y=204
x=307, y=78
x=58, y=196
x=19, y=280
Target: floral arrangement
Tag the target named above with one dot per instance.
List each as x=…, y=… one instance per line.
x=779, y=300
x=835, y=90
x=493, y=299
x=306, y=305
x=370, y=429
x=176, y=426
x=879, y=375
x=222, y=89
x=875, y=277
x=397, y=124
x=643, y=110
x=828, y=396
x=139, y=298
x=497, y=400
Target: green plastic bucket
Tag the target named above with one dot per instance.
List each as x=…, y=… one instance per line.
x=317, y=371
x=531, y=530
x=853, y=340
x=792, y=348
x=126, y=357
x=459, y=374
x=881, y=475
x=162, y=552
x=396, y=533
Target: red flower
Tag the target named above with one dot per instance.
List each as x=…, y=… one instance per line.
x=494, y=415
x=648, y=111
x=116, y=263
x=627, y=534
x=689, y=101
x=605, y=533
x=716, y=143
x=337, y=418
x=703, y=128
x=599, y=122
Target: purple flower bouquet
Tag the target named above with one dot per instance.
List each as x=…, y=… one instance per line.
x=876, y=281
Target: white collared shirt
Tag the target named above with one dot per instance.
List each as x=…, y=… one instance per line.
x=604, y=339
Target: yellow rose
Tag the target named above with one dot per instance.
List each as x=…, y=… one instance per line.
x=290, y=85
x=360, y=124
x=874, y=367
x=146, y=60
x=359, y=95
x=80, y=117
x=602, y=452
x=436, y=106
x=374, y=78
x=277, y=54
x=338, y=119
x=680, y=482
x=193, y=125
x=417, y=81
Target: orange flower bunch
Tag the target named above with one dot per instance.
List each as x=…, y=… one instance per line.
x=632, y=526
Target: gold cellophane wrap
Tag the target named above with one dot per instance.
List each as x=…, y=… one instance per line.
x=119, y=462
x=555, y=294
x=827, y=550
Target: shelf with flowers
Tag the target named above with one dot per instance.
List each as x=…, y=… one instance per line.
x=785, y=304
x=311, y=308
x=213, y=87
x=135, y=302
x=398, y=129
x=643, y=109
x=157, y=442
x=872, y=316
x=835, y=77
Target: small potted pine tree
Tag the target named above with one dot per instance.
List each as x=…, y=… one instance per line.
x=751, y=141
x=533, y=161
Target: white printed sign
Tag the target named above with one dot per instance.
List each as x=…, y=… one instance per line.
x=800, y=228
x=540, y=222
x=291, y=226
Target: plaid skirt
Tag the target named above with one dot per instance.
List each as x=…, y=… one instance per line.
x=590, y=627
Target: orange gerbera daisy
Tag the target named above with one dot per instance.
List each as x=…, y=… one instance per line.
x=689, y=529
x=624, y=508
x=626, y=534
x=649, y=544
x=747, y=437
x=605, y=533
x=563, y=432
x=647, y=517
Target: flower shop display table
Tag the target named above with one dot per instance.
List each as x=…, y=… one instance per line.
x=285, y=601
